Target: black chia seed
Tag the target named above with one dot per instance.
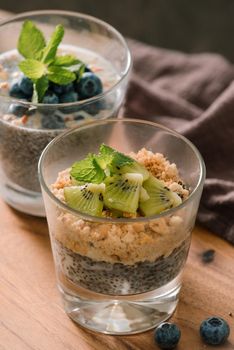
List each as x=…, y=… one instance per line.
x=118, y=278
x=20, y=150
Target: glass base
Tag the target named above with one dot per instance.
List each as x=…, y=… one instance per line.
x=119, y=315
x=23, y=200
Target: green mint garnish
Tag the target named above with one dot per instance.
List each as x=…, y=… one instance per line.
x=66, y=61
x=49, y=52
x=42, y=64
x=88, y=170
x=40, y=87
x=113, y=157
x=33, y=69
x=94, y=168
x=31, y=41
x=60, y=75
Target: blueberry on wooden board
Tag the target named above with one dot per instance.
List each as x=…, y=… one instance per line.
x=214, y=330
x=167, y=335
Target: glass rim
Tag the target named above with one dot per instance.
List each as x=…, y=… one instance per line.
x=88, y=217
x=120, y=37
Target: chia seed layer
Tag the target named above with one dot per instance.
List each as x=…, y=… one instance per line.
x=20, y=150
x=118, y=278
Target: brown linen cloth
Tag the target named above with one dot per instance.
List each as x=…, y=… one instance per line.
x=194, y=95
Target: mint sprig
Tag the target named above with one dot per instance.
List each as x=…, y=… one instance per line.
x=49, y=52
x=113, y=157
x=95, y=167
x=31, y=41
x=88, y=170
x=66, y=61
x=41, y=63
x=40, y=87
x=60, y=75
x=33, y=69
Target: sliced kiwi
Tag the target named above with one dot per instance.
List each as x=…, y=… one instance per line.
x=144, y=195
x=160, y=197
x=87, y=198
x=119, y=163
x=122, y=192
x=133, y=167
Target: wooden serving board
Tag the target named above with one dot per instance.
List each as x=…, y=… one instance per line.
x=31, y=312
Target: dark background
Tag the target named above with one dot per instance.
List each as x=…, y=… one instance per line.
x=186, y=25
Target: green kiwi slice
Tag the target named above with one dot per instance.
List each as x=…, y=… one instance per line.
x=143, y=195
x=160, y=197
x=133, y=167
x=87, y=198
x=122, y=192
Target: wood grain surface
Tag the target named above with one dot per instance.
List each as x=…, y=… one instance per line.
x=31, y=312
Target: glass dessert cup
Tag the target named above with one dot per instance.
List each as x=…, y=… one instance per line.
x=21, y=145
x=120, y=275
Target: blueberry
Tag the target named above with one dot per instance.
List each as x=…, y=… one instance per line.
x=17, y=109
x=167, y=335
x=68, y=97
x=53, y=121
x=26, y=86
x=50, y=98
x=214, y=330
x=57, y=89
x=208, y=255
x=95, y=107
x=16, y=92
x=89, y=85
x=62, y=89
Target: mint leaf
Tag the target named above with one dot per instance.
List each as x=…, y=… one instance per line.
x=106, y=150
x=113, y=157
x=60, y=75
x=80, y=71
x=50, y=50
x=119, y=160
x=32, y=69
x=105, y=156
x=66, y=61
x=31, y=40
x=40, y=88
x=88, y=170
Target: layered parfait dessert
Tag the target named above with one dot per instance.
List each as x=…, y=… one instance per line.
x=120, y=257
x=47, y=86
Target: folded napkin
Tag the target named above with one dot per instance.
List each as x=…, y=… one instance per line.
x=194, y=95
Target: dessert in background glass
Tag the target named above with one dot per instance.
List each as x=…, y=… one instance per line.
x=121, y=275
x=27, y=127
